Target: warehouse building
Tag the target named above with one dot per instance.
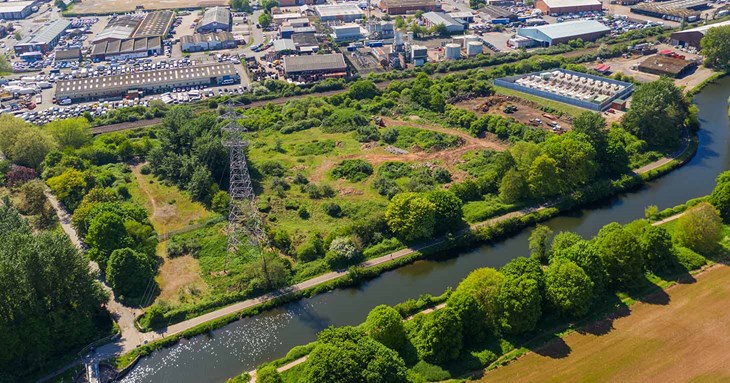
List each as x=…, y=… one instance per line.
x=127, y=48
x=402, y=7
x=675, y=10
x=44, y=39
x=347, y=32
x=559, y=7
x=435, y=18
x=547, y=35
x=291, y=3
x=339, y=12
x=692, y=37
x=574, y=88
x=666, y=66
x=155, y=24
x=215, y=19
x=207, y=42
x=499, y=13
x=73, y=54
x=16, y=10
x=155, y=81
x=284, y=46
x=316, y=66
x=121, y=27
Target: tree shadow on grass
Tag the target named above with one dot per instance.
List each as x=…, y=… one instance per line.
x=554, y=347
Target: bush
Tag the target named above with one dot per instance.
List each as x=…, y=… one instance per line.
x=145, y=169
x=303, y=212
x=689, y=259
x=332, y=209
x=431, y=372
x=353, y=170
x=342, y=252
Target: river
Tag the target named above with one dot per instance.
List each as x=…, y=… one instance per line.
x=240, y=346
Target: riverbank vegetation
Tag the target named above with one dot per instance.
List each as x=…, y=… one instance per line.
x=494, y=315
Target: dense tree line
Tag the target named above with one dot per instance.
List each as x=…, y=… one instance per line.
x=563, y=278
x=51, y=303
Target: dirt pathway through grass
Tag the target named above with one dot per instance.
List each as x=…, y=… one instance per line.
x=680, y=335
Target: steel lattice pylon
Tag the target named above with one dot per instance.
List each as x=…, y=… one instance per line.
x=244, y=223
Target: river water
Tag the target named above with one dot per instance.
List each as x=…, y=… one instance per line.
x=242, y=345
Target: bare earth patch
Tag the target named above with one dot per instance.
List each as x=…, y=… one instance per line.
x=682, y=338
x=179, y=274
x=121, y=6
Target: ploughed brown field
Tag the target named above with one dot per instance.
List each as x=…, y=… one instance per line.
x=683, y=336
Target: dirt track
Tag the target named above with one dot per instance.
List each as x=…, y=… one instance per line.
x=681, y=335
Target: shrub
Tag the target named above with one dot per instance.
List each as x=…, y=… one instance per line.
x=342, y=252
x=303, y=212
x=332, y=209
x=145, y=169
x=353, y=170
x=273, y=168
x=431, y=372
x=689, y=259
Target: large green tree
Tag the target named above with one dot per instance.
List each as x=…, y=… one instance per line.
x=385, y=325
x=484, y=285
x=70, y=132
x=700, y=229
x=544, y=177
x=657, y=114
x=716, y=49
x=448, y=210
x=657, y=247
x=568, y=288
x=268, y=374
x=586, y=255
x=471, y=313
x=621, y=254
x=520, y=305
x=438, y=336
x=411, y=216
x=106, y=234
x=129, y=272
x=69, y=187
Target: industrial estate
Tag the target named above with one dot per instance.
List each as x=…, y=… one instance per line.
x=169, y=168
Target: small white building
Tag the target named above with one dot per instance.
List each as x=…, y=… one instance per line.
x=347, y=32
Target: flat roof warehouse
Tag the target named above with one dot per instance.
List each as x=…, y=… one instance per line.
x=151, y=80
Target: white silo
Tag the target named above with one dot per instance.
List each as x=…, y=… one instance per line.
x=468, y=39
x=453, y=51
x=474, y=48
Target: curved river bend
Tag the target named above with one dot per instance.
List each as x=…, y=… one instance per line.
x=242, y=345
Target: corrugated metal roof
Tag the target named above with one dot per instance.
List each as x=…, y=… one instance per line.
x=281, y=45
x=219, y=15
x=437, y=18
x=120, y=28
x=332, y=61
x=155, y=23
x=46, y=33
x=571, y=28
x=148, y=79
x=15, y=6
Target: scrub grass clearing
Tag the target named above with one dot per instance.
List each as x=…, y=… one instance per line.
x=170, y=209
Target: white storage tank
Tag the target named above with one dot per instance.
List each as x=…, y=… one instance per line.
x=474, y=48
x=453, y=51
x=468, y=39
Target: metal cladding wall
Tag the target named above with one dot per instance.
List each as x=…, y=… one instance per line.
x=508, y=82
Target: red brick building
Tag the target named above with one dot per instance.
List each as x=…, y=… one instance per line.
x=402, y=7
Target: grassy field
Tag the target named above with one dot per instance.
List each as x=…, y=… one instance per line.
x=679, y=336
x=559, y=106
x=170, y=209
